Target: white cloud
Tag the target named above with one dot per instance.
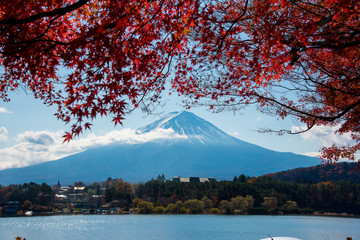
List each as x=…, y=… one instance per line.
x=3, y=134
x=326, y=135
x=311, y=154
x=40, y=138
x=235, y=134
x=36, y=147
x=4, y=110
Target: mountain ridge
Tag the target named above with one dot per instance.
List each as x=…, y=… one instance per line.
x=205, y=151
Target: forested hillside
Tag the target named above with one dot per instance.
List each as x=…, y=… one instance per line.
x=326, y=172
x=268, y=195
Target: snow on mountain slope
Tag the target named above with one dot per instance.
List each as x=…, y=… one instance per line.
x=201, y=150
x=193, y=127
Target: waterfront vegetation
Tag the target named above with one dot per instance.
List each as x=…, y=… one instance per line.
x=242, y=195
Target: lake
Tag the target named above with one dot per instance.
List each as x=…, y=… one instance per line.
x=176, y=227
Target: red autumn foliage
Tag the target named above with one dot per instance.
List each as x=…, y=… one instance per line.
x=294, y=58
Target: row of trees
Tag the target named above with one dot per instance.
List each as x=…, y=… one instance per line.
x=237, y=205
x=243, y=195
x=31, y=196
x=267, y=194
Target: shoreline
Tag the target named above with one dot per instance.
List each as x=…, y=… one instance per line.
x=316, y=214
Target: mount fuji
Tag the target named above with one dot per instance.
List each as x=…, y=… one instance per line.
x=198, y=148
x=194, y=129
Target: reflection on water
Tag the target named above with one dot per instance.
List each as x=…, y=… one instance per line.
x=176, y=227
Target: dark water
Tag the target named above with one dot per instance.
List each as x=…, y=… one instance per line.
x=176, y=227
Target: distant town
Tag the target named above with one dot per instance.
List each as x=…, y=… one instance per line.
x=183, y=195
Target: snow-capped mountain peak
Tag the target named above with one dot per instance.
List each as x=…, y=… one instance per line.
x=195, y=128
x=195, y=148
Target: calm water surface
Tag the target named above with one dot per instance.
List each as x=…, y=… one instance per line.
x=176, y=227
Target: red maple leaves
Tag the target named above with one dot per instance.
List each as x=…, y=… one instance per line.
x=91, y=58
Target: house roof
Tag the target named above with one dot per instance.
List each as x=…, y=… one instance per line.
x=192, y=179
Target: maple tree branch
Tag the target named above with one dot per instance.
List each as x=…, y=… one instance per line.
x=152, y=18
x=232, y=25
x=286, y=131
x=335, y=45
x=304, y=113
x=32, y=41
x=324, y=21
x=55, y=12
x=326, y=86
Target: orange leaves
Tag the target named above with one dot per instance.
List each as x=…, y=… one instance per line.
x=336, y=153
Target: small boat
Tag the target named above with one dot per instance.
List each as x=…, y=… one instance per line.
x=29, y=213
x=280, y=238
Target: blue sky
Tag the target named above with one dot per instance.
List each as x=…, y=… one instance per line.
x=30, y=133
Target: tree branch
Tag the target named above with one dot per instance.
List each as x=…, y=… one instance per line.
x=55, y=12
x=232, y=25
x=319, y=117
